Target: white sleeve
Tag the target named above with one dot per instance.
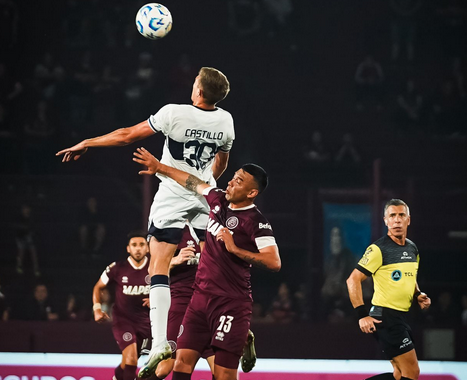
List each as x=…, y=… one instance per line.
x=104, y=277
x=226, y=147
x=265, y=241
x=207, y=190
x=105, y=274
x=160, y=122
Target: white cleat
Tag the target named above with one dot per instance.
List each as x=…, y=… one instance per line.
x=163, y=352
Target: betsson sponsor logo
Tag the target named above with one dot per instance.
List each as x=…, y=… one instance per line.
x=265, y=226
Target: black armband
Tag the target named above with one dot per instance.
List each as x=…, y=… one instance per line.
x=416, y=294
x=361, y=311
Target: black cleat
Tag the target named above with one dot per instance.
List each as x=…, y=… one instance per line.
x=248, y=359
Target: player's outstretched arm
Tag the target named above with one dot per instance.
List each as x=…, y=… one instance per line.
x=267, y=258
x=73, y=153
x=188, y=181
x=119, y=137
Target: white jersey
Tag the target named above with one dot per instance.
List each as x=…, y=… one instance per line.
x=193, y=137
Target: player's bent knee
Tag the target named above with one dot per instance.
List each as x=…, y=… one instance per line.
x=130, y=355
x=181, y=366
x=185, y=360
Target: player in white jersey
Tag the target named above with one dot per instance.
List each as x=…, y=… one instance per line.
x=198, y=140
x=193, y=137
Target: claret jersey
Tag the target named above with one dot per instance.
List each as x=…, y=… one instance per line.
x=394, y=269
x=131, y=286
x=193, y=137
x=219, y=271
x=182, y=276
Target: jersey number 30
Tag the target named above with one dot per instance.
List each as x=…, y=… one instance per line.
x=194, y=151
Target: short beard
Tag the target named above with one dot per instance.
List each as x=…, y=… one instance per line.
x=138, y=261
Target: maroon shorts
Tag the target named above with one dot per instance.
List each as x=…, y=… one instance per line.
x=178, y=307
x=215, y=321
x=127, y=332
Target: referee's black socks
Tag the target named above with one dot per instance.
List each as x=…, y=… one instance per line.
x=383, y=376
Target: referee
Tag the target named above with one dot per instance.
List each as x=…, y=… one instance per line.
x=393, y=262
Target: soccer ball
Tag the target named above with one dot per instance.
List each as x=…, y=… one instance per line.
x=153, y=21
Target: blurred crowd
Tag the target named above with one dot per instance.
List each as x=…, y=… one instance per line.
x=97, y=74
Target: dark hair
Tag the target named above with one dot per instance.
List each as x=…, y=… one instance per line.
x=396, y=202
x=259, y=174
x=214, y=84
x=136, y=233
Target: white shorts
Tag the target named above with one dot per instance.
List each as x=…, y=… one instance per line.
x=171, y=210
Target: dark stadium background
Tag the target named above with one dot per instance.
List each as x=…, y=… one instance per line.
x=286, y=83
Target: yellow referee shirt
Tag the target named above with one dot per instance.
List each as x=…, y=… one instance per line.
x=394, y=269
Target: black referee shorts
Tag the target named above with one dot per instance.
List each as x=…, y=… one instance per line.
x=393, y=333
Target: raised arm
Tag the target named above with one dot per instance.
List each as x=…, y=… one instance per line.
x=220, y=164
x=119, y=137
x=188, y=181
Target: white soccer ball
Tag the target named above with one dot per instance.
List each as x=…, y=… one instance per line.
x=153, y=21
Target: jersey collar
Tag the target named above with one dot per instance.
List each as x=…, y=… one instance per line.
x=138, y=267
x=202, y=109
x=242, y=208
